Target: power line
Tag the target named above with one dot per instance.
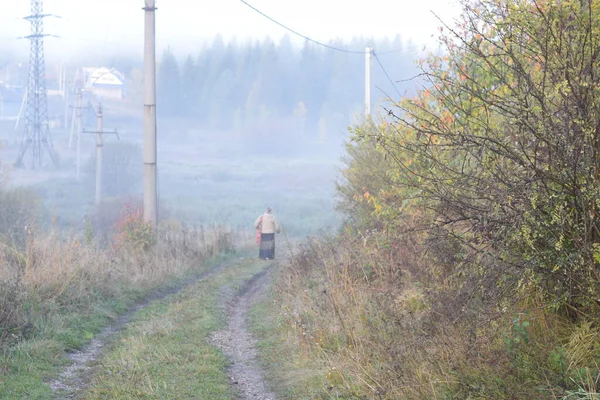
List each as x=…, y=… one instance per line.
x=301, y=35
x=336, y=48
x=386, y=74
x=401, y=50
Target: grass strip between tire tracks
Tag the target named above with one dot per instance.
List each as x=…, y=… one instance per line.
x=165, y=352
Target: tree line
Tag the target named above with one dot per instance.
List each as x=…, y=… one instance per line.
x=266, y=86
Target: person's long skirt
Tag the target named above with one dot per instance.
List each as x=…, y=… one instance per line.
x=267, y=246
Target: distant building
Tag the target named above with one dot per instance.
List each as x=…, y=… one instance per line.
x=104, y=83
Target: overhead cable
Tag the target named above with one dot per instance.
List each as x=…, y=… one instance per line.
x=301, y=35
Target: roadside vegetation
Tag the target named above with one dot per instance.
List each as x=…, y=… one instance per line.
x=58, y=291
x=469, y=267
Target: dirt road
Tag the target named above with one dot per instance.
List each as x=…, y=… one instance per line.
x=239, y=345
x=234, y=340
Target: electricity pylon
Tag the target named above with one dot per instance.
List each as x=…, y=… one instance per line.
x=36, y=136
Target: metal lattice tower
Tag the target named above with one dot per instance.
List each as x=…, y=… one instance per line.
x=36, y=136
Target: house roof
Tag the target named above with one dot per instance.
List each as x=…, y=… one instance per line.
x=102, y=76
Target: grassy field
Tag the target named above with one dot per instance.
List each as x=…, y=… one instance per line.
x=59, y=288
x=206, y=179
x=234, y=193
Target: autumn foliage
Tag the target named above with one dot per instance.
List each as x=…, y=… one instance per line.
x=474, y=228
x=131, y=231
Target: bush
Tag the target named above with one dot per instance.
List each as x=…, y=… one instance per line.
x=388, y=321
x=20, y=208
x=472, y=255
x=132, y=232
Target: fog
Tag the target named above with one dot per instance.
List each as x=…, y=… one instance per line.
x=114, y=26
x=245, y=121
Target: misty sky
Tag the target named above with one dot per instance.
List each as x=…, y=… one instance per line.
x=115, y=26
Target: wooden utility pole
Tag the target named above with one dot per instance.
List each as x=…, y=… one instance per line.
x=76, y=125
x=150, y=181
x=368, y=54
x=99, y=144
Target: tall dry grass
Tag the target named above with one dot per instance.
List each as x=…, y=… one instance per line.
x=390, y=321
x=360, y=312
x=51, y=273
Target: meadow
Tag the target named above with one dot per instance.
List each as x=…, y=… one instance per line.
x=203, y=179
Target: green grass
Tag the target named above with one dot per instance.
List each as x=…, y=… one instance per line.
x=222, y=191
x=289, y=371
x=166, y=352
x=26, y=366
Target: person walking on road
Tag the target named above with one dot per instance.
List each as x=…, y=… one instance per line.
x=267, y=226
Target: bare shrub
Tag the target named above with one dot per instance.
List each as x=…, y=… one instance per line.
x=20, y=208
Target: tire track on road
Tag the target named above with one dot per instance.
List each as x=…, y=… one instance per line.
x=240, y=346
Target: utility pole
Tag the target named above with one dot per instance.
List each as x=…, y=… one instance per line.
x=73, y=120
x=99, y=156
x=99, y=144
x=150, y=181
x=76, y=124
x=65, y=93
x=368, y=54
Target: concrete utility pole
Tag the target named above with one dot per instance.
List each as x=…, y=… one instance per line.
x=99, y=144
x=150, y=181
x=368, y=54
x=73, y=122
x=76, y=124
x=99, y=157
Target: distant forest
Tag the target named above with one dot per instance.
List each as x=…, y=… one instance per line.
x=260, y=87
x=265, y=87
